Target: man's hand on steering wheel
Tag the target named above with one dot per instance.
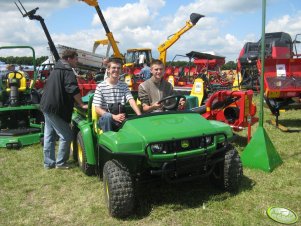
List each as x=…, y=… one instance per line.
x=179, y=102
x=182, y=104
x=156, y=106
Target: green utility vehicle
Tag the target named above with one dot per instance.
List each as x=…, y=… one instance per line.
x=170, y=145
x=20, y=118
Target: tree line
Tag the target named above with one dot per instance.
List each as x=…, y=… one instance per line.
x=23, y=60
x=230, y=65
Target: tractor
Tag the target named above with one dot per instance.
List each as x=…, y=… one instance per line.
x=20, y=118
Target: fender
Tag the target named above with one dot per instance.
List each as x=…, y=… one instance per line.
x=87, y=133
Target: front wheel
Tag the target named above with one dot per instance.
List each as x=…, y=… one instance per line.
x=119, y=189
x=227, y=174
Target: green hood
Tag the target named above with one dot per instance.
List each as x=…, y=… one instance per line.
x=137, y=133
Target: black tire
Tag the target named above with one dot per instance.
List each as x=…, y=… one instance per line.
x=228, y=173
x=82, y=157
x=119, y=189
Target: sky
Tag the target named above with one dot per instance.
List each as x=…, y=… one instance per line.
x=227, y=24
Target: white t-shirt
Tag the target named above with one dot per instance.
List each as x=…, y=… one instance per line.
x=141, y=58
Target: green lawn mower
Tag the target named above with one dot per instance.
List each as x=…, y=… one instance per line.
x=20, y=118
x=174, y=146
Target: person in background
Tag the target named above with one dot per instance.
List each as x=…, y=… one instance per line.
x=9, y=68
x=60, y=93
x=110, y=98
x=141, y=59
x=145, y=72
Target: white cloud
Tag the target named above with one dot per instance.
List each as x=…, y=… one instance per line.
x=16, y=30
x=130, y=15
x=141, y=24
x=217, y=6
x=288, y=23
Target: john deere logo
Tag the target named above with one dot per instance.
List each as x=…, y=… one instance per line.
x=184, y=143
x=282, y=215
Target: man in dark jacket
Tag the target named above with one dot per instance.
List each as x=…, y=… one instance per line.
x=57, y=103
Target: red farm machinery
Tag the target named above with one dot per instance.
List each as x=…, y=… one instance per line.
x=282, y=70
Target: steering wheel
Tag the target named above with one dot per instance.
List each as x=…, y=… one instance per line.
x=171, y=103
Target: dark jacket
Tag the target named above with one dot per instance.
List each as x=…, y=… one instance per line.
x=60, y=88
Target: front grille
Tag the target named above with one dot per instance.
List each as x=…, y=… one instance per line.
x=181, y=145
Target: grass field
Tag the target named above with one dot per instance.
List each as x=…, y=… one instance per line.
x=30, y=195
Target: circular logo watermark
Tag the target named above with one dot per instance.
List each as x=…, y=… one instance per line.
x=282, y=215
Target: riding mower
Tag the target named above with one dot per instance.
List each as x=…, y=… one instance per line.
x=173, y=146
x=20, y=117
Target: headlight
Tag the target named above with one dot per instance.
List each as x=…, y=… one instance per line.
x=156, y=148
x=208, y=140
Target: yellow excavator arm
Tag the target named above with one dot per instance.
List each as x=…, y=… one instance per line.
x=91, y=2
x=194, y=18
x=109, y=34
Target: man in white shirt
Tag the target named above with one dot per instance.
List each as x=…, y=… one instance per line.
x=110, y=97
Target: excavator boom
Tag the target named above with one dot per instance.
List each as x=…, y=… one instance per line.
x=194, y=18
x=109, y=34
x=32, y=16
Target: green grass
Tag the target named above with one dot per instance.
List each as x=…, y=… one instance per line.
x=30, y=195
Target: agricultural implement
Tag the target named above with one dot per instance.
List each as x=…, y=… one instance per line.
x=235, y=108
x=282, y=73
x=20, y=118
x=282, y=80
x=200, y=65
x=248, y=76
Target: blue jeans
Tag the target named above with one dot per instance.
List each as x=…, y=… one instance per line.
x=105, y=122
x=55, y=125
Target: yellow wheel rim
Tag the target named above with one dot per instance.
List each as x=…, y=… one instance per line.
x=71, y=148
x=80, y=154
x=107, y=191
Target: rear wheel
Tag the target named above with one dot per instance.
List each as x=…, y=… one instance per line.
x=119, y=189
x=227, y=174
x=82, y=156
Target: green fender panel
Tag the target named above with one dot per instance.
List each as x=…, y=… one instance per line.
x=87, y=134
